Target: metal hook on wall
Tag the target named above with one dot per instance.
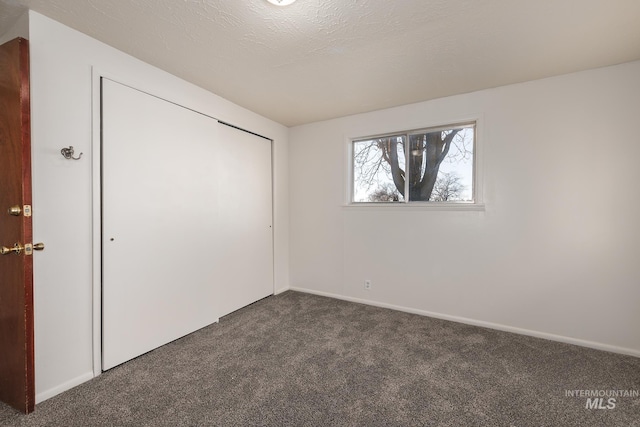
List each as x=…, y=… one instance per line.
x=68, y=153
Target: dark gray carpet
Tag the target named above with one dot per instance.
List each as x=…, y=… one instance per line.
x=304, y=360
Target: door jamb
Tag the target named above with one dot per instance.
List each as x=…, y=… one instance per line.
x=96, y=219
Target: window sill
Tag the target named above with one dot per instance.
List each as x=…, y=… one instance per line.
x=399, y=206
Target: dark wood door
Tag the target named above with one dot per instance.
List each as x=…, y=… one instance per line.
x=17, y=386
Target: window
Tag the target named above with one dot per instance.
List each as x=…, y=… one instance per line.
x=432, y=165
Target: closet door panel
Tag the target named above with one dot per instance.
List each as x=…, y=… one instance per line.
x=245, y=215
x=160, y=222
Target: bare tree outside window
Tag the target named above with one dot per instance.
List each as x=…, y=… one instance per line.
x=388, y=193
x=433, y=165
x=447, y=187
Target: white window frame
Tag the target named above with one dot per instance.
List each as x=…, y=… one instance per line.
x=477, y=184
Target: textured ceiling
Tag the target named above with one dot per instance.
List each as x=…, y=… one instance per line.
x=320, y=59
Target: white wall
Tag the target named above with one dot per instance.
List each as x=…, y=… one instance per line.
x=554, y=253
x=64, y=63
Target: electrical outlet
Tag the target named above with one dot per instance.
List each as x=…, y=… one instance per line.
x=367, y=285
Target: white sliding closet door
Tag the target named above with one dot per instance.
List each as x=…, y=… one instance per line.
x=245, y=235
x=160, y=210
x=186, y=213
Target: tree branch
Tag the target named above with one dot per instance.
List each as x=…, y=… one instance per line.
x=396, y=173
x=447, y=144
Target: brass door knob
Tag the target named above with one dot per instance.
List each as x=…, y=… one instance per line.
x=16, y=249
x=38, y=246
x=15, y=210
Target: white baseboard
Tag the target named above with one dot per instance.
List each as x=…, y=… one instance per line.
x=467, y=321
x=48, y=394
x=281, y=290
